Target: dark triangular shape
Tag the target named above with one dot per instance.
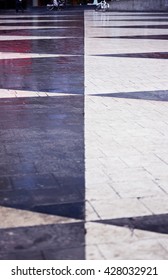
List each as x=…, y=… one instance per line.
x=154, y=223
x=153, y=37
x=157, y=95
x=74, y=210
x=153, y=55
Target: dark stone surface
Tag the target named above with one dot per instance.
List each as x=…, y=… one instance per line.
x=71, y=46
x=5, y=183
x=43, y=242
x=136, y=20
x=77, y=253
x=23, y=255
x=158, y=95
x=145, y=26
x=143, y=37
x=42, y=139
x=56, y=74
x=71, y=210
x=154, y=55
x=56, y=195
x=33, y=181
x=21, y=199
x=155, y=223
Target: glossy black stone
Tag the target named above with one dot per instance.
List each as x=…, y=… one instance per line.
x=44, y=156
x=42, y=139
x=74, y=32
x=46, y=73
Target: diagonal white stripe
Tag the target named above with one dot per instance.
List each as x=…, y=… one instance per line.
x=35, y=16
x=13, y=38
x=10, y=55
x=12, y=218
x=38, y=20
x=4, y=27
x=12, y=93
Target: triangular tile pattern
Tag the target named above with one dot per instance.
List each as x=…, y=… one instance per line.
x=131, y=217
x=152, y=223
x=59, y=198
x=48, y=191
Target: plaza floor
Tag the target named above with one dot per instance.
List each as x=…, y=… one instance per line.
x=83, y=135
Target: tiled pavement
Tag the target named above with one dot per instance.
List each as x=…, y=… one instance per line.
x=83, y=134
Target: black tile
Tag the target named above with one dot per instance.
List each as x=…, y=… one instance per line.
x=77, y=253
x=16, y=168
x=23, y=255
x=71, y=46
x=136, y=20
x=158, y=95
x=74, y=210
x=153, y=55
x=55, y=195
x=143, y=37
x=5, y=183
x=78, y=182
x=42, y=135
x=63, y=31
x=20, y=199
x=59, y=74
x=38, y=241
x=154, y=223
x=35, y=181
x=143, y=26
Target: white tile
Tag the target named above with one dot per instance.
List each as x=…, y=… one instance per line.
x=138, y=250
x=157, y=205
x=139, y=188
x=90, y=212
x=93, y=253
x=119, y=208
x=11, y=218
x=97, y=233
x=100, y=192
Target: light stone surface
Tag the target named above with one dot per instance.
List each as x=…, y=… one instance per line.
x=126, y=130
x=13, y=218
x=126, y=133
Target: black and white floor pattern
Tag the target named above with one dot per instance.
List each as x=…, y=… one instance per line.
x=83, y=133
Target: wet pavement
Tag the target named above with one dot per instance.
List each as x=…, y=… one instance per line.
x=42, y=139
x=80, y=91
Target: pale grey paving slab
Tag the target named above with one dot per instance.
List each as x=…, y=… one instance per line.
x=126, y=131
x=157, y=204
x=93, y=253
x=118, y=208
x=105, y=234
x=138, y=250
x=138, y=188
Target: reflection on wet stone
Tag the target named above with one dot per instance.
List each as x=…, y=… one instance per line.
x=42, y=140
